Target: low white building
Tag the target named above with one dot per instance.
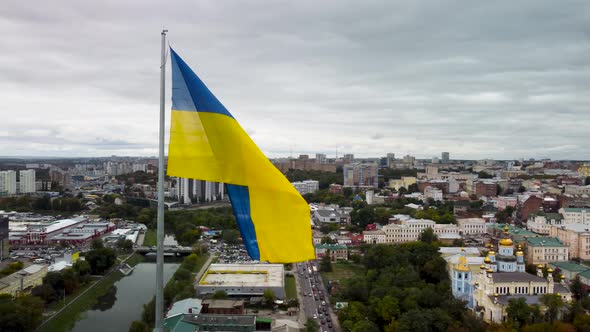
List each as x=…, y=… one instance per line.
x=374, y=237
x=243, y=279
x=434, y=193
x=471, y=225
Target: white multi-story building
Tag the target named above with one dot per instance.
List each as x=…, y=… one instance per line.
x=139, y=167
x=188, y=190
x=575, y=215
x=7, y=183
x=471, y=225
x=374, y=237
x=307, y=186
x=434, y=193
x=410, y=229
x=27, y=181
x=541, y=222
x=577, y=190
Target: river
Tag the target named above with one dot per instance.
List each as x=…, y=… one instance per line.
x=124, y=302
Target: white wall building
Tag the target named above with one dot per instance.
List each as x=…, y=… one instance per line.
x=374, y=237
x=307, y=186
x=8, y=183
x=409, y=230
x=541, y=222
x=434, y=193
x=575, y=215
x=471, y=225
x=27, y=181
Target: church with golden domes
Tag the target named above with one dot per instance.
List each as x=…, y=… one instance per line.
x=505, y=260
x=502, y=277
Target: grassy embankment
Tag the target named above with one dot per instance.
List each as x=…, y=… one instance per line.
x=66, y=319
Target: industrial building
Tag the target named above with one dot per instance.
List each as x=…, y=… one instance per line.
x=74, y=231
x=243, y=279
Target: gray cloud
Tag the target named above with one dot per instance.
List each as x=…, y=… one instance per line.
x=486, y=79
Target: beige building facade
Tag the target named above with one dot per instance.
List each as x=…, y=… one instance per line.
x=576, y=237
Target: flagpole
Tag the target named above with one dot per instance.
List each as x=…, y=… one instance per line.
x=160, y=231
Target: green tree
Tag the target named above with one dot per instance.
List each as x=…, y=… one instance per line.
x=578, y=289
x=518, y=311
x=413, y=188
x=326, y=262
x=139, y=326
x=100, y=260
x=97, y=243
x=365, y=326
x=428, y=236
x=582, y=322
x=220, y=294
x=553, y=303
x=231, y=236
x=312, y=326
x=269, y=296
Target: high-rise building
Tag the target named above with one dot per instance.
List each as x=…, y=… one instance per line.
x=435, y=160
x=320, y=158
x=360, y=175
x=4, y=250
x=390, y=160
x=189, y=190
x=27, y=181
x=348, y=158
x=445, y=157
x=7, y=183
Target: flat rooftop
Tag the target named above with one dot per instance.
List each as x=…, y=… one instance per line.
x=244, y=275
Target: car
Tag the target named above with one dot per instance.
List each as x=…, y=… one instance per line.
x=315, y=316
x=330, y=324
x=323, y=302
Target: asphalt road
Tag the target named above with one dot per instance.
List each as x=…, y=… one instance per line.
x=315, y=300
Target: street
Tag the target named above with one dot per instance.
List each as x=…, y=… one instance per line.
x=315, y=301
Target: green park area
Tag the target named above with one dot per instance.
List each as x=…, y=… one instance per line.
x=150, y=238
x=344, y=270
x=290, y=289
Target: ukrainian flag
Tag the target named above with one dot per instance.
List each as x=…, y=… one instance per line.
x=207, y=143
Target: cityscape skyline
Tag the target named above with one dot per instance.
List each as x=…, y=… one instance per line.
x=409, y=78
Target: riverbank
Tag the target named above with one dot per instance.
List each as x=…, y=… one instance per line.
x=65, y=319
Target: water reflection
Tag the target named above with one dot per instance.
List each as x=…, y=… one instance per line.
x=106, y=301
x=124, y=302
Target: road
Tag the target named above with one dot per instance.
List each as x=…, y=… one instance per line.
x=315, y=302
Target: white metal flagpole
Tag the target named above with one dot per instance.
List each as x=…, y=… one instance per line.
x=160, y=231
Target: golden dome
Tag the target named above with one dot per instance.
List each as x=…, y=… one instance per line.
x=490, y=271
x=487, y=260
x=483, y=267
x=462, y=264
x=540, y=266
x=495, y=294
x=562, y=276
x=506, y=229
x=506, y=242
x=550, y=270
x=491, y=253
x=519, y=253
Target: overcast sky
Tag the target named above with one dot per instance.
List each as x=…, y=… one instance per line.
x=498, y=79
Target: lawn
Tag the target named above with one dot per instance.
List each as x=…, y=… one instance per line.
x=150, y=238
x=290, y=289
x=341, y=271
